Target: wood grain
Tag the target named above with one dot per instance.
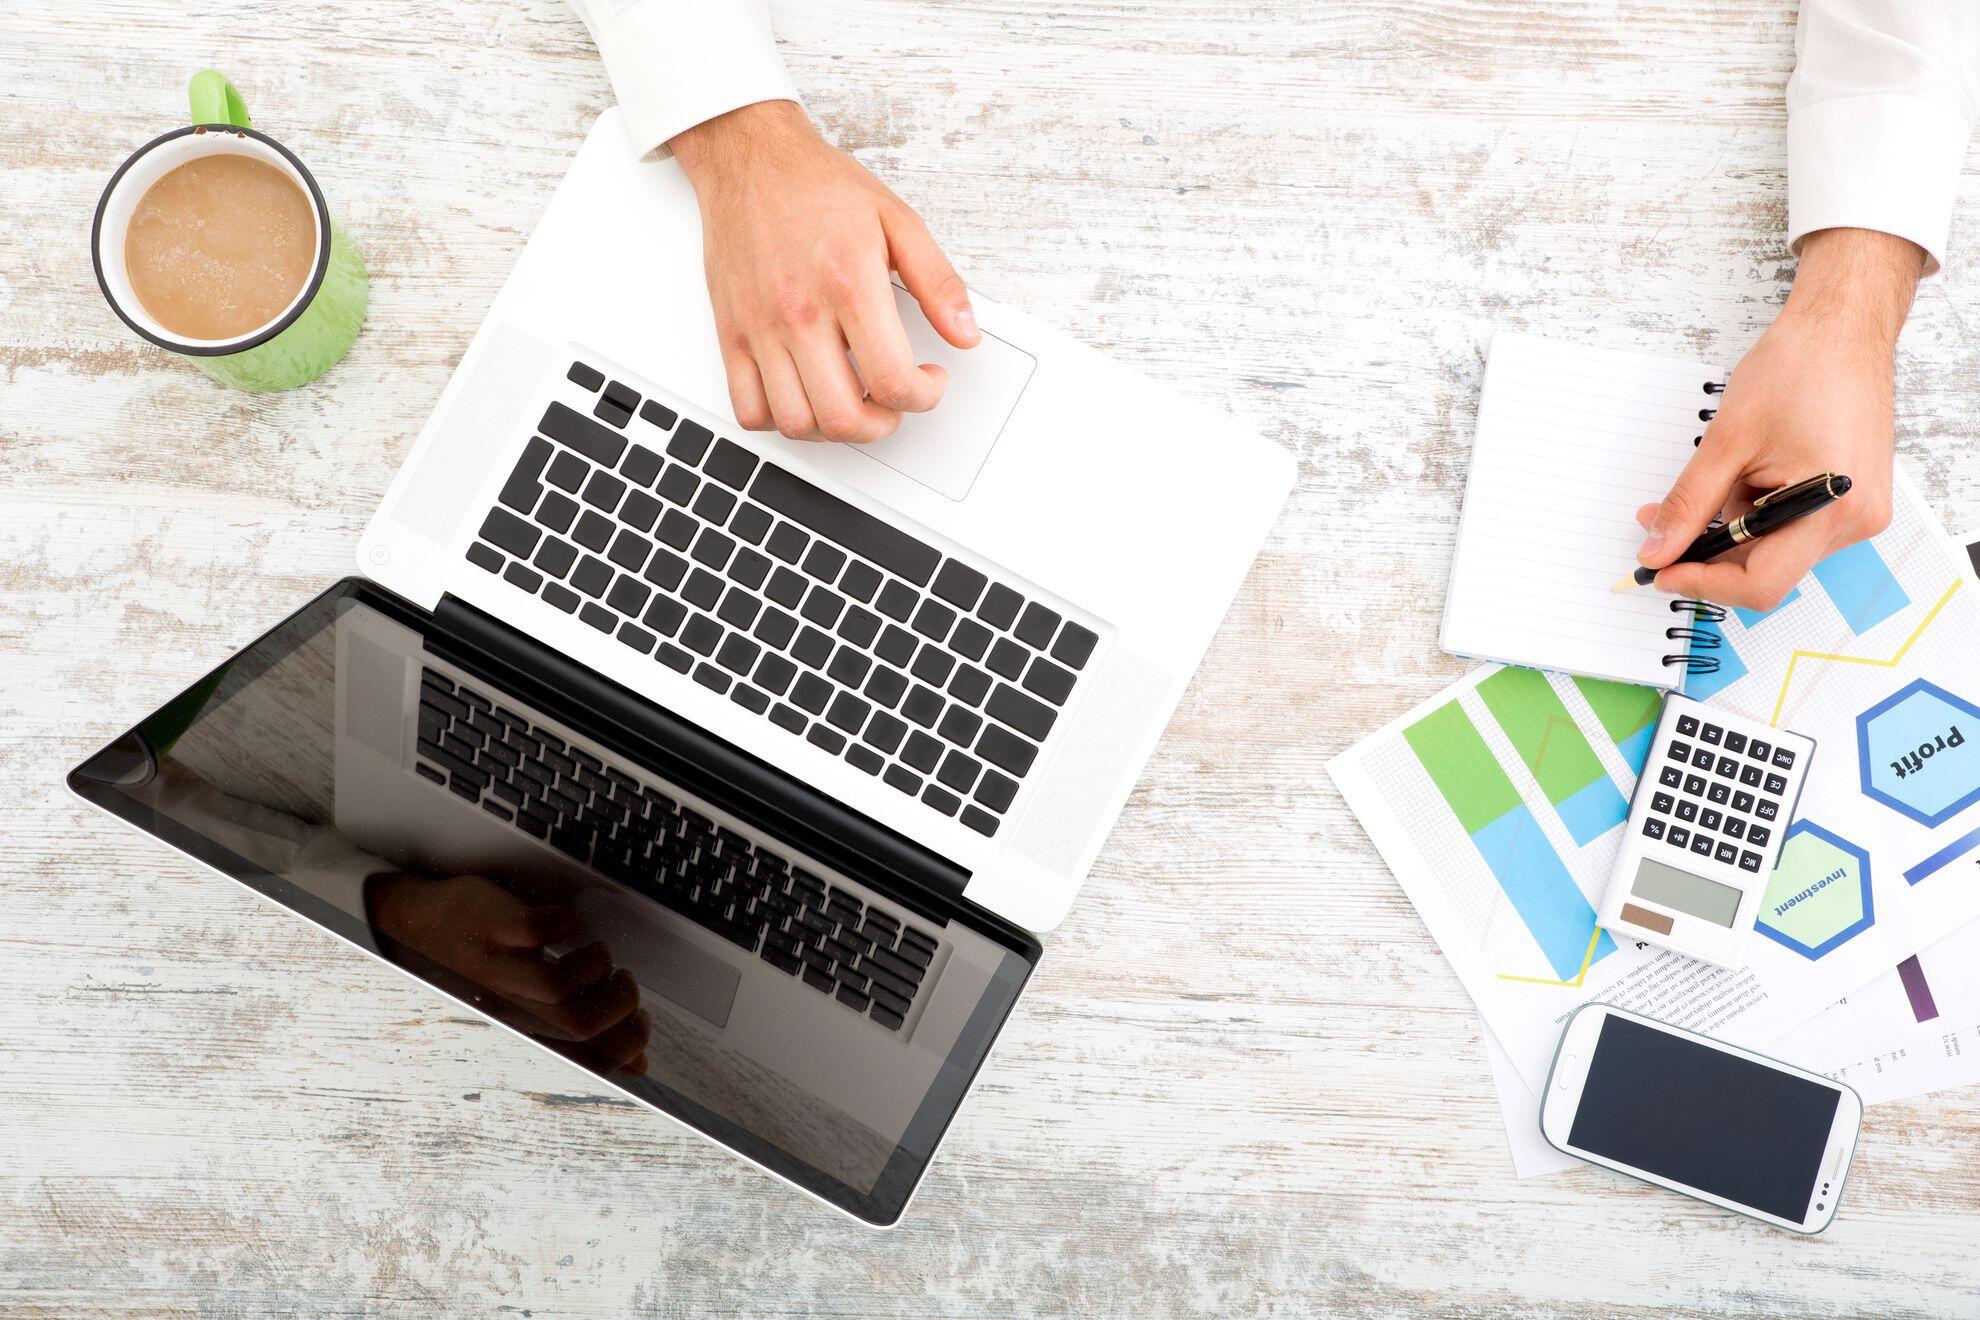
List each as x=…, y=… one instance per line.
x=1244, y=1082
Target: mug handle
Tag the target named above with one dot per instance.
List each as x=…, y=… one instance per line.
x=215, y=100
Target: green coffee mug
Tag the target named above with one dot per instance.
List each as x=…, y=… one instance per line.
x=314, y=331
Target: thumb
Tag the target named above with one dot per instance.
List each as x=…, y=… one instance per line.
x=930, y=278
x=1697, y=497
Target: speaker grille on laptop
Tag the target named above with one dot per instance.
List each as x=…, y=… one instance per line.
x=829, y=623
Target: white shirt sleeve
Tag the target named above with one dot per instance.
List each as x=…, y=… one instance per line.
x=1880, y=107
x=678, y=63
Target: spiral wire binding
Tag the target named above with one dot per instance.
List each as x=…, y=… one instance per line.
x=1696, y=638
x=1707, y=414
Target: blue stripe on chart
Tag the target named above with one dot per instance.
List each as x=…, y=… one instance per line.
x=1751, y=617
x=1635, y=749
x=1702, y=687
x=1947, y=855
x=1861, y=586
x=1593, y=811
x=1540, y=889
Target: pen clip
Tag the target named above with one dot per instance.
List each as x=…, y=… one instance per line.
x=1797, y=488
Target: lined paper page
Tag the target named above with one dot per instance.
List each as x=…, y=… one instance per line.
x=1571, y=442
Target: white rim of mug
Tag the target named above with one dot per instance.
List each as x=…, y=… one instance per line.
x=254, y=339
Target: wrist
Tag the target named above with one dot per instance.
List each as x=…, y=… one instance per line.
x=1858, y=282
x=728, y=141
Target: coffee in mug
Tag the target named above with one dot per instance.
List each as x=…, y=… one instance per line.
x=220, y=246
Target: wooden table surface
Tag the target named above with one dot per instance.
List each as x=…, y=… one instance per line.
x=1244, y=1081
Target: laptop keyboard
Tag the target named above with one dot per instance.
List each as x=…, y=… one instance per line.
x=599, y=815
x=835, y=626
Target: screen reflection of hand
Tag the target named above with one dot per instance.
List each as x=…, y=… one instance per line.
x=579, y=1003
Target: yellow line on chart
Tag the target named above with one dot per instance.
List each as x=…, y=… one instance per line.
x=1579, y=976
x=1891, y=663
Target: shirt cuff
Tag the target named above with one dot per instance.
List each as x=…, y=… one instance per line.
x=673, y=66
x=1888, y=162
x=334, y=869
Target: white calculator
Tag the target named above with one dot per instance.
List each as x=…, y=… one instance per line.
x=1711, y=810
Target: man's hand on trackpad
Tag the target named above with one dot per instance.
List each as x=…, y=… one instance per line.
x=799, y=241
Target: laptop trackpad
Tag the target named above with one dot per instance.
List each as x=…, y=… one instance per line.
x=664, y=962
x=946, y=448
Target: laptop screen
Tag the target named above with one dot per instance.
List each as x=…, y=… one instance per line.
x=359, y=766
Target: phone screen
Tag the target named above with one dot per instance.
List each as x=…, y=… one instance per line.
x=1673, y=1106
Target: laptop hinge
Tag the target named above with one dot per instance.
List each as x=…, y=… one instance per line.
x=727, y=776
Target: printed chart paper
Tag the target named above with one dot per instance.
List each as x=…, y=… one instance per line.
x=1498, y=805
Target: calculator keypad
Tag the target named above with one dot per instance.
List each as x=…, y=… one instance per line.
x=1718, y=794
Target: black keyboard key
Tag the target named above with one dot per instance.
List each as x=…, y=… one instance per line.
x=859, y=626
x=567, y=472
x=933, y=620
x=712, y=678
x=864, y=758
x=1742, y=802
x=1000, y=606
x=1678, y=837
x=896, y=645
x=1702, y=758
x=1711, y=734
x=1709, y=819
x=1725, y=852
x=959, y=584
x=1653, y=827
x=483, y=556
x=1727, y=768
x=1783, y=758
x=1748, y=861
x=1687, y=725
x=848, y=712
x=958, y=771
x=690, y=442
x=560, y=596
x=811, y=694
x=585, y=376
x=1048, y=681
x=1776, y=784
x=598, y=617
x=884, y=731
x=628, y=595
x=941, y=799
x=1075, y=646
x=1029, y=717
x=886, y=685
x=786, y=588
x=896, y=601
x=640, y=510
x=557, y=511
x=1687, y=811
x=1007, y=658
x=730, y=464
x=637, y=637
x=787, y=718
x=1757, y=835
x=1679, y=751
x=738, y=609
x=885, y=1016
x=1718, y=793
x=703, y=588
x=738, y=653
x=813, y=648
x=526, y=578
x=629, y=550
x=665, y=569
x=776, y=628
x=823, y=606
x=922, y=706
x=659, y=414
x=932, y=666
x=1734, y=828
x=678, y=485
x=713, y=549
x=1694, y=785
x=714, y=504
x=1670, y=776
x=524, y=487
x=1751, y=775
x=751, y=523
x=787, y=543
x=673, y=657
x=959, y=725
x=594, y=530
x=701, y=635
x=922, y=752
x=824, y=561
x=749, y=568
x=1759, y=750
x=1702, y=844
x=970, y=639
x=860, y=581
x=596, y=441
x=642, y=465
x=995, y=791
x=1037, y=625
x=848, y=667
x=604, y=491
x=820, y=736
x=1735, y=743
x=592, y=576
x=904, y=780
x=831, y=517
x=1662, y=802
x=1006, y=750
x=775, y=673
x=511, y=533
x=969, y=685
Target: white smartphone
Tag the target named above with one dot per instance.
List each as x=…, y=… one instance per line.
x=1713, y=1121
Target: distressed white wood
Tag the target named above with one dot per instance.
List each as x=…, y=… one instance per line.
x=1244, y=1082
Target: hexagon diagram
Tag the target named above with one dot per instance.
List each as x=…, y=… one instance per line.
x=1919, y=752
x=1819, y=895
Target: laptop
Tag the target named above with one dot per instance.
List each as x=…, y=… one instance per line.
x=743, y=773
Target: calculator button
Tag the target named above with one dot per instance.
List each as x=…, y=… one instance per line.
x=1661, y=803
x=1711, y=733
x=1680, y=751
x=1728, y=768
x=1758, y=750
x=1670, y=776
x=1687, y=725
x=1784, y=758
x=1654, y=828
x=1679, y=836
x=1735, y=743
x=1749, y=861
x=1767, y=809
x=1742, y=802
x=1718, y=794
x=1725, y=852
x=1758, y=836
x=1702, y=844
x=1776, y=784
x=1709, y=819
x=1702, y=758
x=1694, y=784
x=1751, y=776
x=1734, y=828
x=1687, y=811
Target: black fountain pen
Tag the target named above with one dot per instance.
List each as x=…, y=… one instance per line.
x=1774, y=509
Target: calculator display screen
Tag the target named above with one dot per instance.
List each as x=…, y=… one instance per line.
x=1682, y=891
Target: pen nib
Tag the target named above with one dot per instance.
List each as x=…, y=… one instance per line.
x=1625, y=584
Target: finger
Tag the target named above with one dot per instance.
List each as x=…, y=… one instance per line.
x=595, y=1008
x=620, y=1044
x=576, y=970
x=838, y=405
x=746, y=397
x=637, y=1068
x=784, y=389
x=1697, y=497
x=880, y=349
x=534, y=927
x=1757, y=579
x=929, y=277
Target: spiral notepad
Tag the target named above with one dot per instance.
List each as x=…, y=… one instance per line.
x=1571, y=441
